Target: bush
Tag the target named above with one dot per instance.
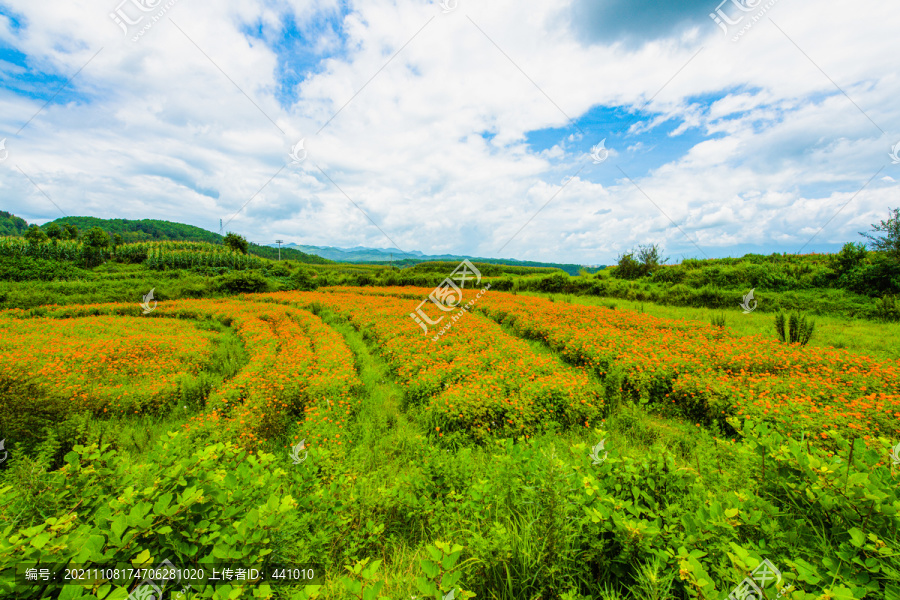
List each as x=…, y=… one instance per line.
x=799, y=330
x=503, y=285
x=887, y=309
x=875, y=278
x=243, y=282
x=279, y=270
x=850, y=257
x=628, y=267
x=26, y=268
x=558, y=282
x=304, y=281
x=237, y=243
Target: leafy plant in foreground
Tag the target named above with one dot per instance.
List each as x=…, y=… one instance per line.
x=798, y=329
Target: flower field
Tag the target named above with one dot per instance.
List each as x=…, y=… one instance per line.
x=476, y=381
x=702, y=373
x=100, y=365
x=596, y=432
x=107, y=358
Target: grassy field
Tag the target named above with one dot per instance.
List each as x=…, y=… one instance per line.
x=538, y=449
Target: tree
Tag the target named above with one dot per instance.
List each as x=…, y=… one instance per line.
x=117, y=240
x=35, y=235
x=890, y=243
x=628, y=267
x=96, y=238
x=70, y=232
x=851, y=256
x=95, y=241
x=236, y=242
x=54, y=231
x=650, y=257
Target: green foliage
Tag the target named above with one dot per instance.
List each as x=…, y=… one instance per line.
x=650, y=257
x=887, y=308
x=556, y=283
x=243, y=282
x=27, y=268
x=850, y=257
x=643, y=262
x=188, y=255
x=35, y=235
x=718, y=320
x=11, y=225
x=303, y=280
x=440, y=578
x=287, y=254
x=94, y=246
x=363, y=582
x=96, y=238
x=628, y=267
x=54, y=231
x=144, y=230
x=890, y=241
x=215, y=503
x=795, y=329
x=236, y=242
x=70, y=231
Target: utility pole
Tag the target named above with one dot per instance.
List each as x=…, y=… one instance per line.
x=279, y=242
x=221, y=231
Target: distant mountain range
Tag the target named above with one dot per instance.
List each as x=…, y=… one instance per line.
x=360, y=254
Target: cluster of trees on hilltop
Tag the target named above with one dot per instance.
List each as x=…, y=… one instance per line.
x=144, y=230
x=10, y=224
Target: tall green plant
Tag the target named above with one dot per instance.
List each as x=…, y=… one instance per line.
x=794, y=329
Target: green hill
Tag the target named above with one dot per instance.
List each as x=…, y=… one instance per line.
x=11, y=224
x=153, y=230
x=145, y=230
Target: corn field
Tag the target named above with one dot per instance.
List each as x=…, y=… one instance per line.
x=154, y=255
x=186, y=255
x=61, y=250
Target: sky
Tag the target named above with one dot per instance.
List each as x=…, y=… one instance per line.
x=567, y=131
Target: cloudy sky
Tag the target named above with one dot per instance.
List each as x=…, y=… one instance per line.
x=564, y=131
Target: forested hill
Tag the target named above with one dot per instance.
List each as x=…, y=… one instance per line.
x=152, y=230
x=145, y=230
x=11, y=224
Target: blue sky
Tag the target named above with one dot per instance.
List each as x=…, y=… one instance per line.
x=461, y=128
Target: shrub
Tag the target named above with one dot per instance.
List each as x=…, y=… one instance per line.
x=628, y=267
x=556, y=283
x=503, y=285
x=718, y=320
x=890, y=242
x=887, y=308
x=35, y=235
x=304, y=281
x=798, y=330
x=236, y=242
x=850, y=257
x=650, y=258
x=243, y=282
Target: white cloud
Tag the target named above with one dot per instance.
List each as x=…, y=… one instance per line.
x=160, y=132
